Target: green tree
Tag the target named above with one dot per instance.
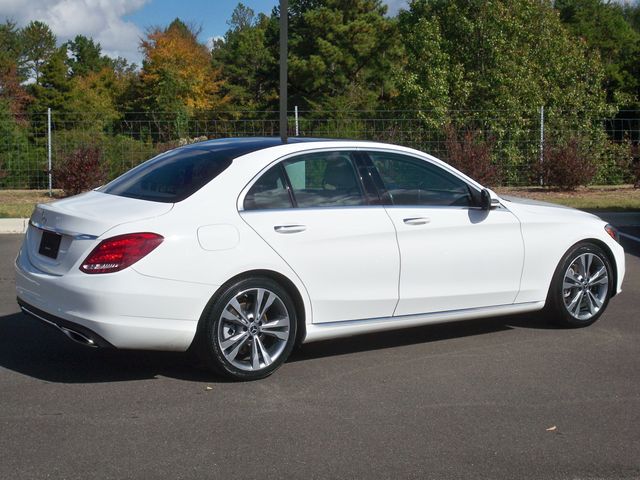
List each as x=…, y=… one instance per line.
x=604, y=27
x=54, y=88
x=246, y=61
x=17, y=166
x=496, y=63
x=85, y=56
x=11, y=47
x=631, y=13
x=504, y=55
x=341, y=54
x=38, y=45
x=426, y=78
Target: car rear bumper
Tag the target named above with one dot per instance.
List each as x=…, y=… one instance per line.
x=123, y=310
x=73, y=331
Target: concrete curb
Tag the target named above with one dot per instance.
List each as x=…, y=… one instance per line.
x=13, y=225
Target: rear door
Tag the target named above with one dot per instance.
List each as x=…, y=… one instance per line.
x=313, y=211
x=454, y=255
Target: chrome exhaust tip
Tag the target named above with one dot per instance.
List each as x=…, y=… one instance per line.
x=69, y=333
x=78, y=337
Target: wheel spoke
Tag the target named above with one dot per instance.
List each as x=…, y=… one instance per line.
x=269, y=301
x=232, y=317
x=601, y=281
x=598, y=274
x=570, y=282
x=571, y=274
x=592, y=308
x=277, y=328
x=234, y=352
x=255, y=360
x=263, y=351
x=282, y=335
x=588, y=258
x=258, y=303
x=574, y=306
x=238, y=308
x=232, y=340
x=595, y=299
x=278, y=322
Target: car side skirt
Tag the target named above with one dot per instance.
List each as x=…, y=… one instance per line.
x=329, y=330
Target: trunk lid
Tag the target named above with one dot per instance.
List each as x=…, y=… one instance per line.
x=71, y=226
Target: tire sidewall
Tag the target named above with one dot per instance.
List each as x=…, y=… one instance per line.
x=210, y=348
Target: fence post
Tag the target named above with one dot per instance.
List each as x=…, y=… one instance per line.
x=295, y=110
x=284, y=23
x=541, y=142
x=49, y=151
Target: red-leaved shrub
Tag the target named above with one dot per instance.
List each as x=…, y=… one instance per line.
x=80, y=170
x=566, y=165
x=471, y=154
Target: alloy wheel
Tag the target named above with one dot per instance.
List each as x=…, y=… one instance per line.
x=585, y=286
x=253, y=330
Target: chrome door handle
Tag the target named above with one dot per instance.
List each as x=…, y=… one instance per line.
x=290, y=228
x=417, y=220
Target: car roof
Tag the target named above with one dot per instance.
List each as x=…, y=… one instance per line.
x=237, y=146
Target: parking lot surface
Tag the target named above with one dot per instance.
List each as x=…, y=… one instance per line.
x=509, y=397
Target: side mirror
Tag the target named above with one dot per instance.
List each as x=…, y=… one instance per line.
x=488, y=199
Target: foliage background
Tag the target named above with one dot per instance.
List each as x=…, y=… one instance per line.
x=462, y=79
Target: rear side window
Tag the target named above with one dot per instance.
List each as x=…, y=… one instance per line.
x=410, y=181
x=170, y=177
x=324, y=179
x=270, y=191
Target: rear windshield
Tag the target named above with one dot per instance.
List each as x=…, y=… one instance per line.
x=172, y=176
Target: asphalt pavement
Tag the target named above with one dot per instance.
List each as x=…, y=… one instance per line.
x=509, y=397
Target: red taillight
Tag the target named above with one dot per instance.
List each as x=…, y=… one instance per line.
x=117, y=253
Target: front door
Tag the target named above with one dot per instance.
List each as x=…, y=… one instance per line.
x=454, y=255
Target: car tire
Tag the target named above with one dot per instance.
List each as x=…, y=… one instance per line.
x=249, y=330
x=579, y=291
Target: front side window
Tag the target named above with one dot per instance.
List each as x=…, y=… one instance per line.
x=411, y=181
x=324, y=179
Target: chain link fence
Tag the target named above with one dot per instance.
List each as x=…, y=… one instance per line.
x=516, y=142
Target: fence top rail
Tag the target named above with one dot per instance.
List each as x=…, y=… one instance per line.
x=535, y=111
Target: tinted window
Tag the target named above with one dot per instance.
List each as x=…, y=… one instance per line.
x=411, y=181
x=326, y=179
x=172, y=176
x=269, y=191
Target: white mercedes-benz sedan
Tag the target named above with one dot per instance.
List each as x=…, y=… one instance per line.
x=243, y=248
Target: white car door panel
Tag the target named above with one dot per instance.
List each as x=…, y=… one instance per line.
x=457, y=258
x=347, y=258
